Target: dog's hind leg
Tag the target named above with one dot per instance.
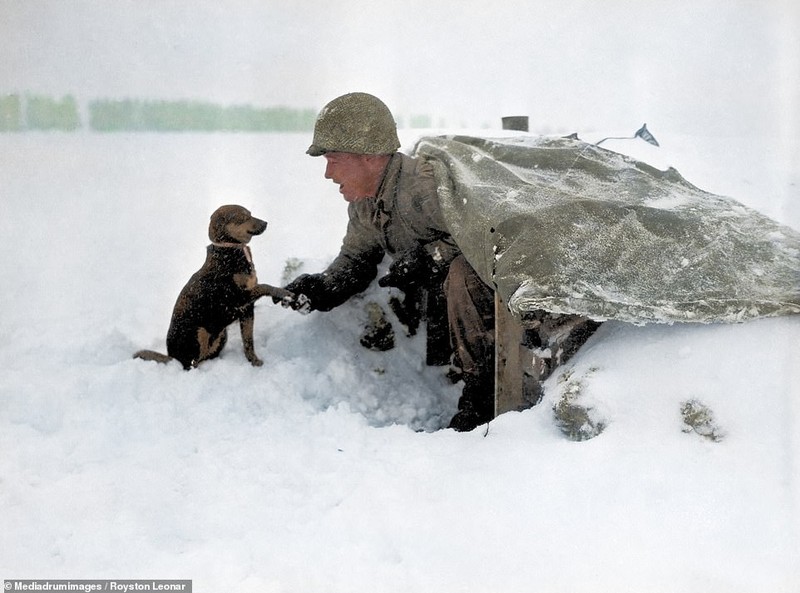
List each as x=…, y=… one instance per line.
x=211, y=345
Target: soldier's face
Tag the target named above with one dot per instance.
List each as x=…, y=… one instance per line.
x=357, y=175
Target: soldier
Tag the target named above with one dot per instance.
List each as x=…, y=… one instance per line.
x=393, y=209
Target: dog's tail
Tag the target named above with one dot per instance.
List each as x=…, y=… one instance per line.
x=152, y=355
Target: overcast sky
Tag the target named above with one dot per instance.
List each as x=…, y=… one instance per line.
x=568, y=64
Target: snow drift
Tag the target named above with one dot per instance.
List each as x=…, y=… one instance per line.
x=325, y=469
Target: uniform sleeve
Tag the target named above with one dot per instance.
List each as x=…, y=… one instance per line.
x=357, y=263
x=440, y=246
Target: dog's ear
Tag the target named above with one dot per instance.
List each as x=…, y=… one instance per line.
x=216, y=225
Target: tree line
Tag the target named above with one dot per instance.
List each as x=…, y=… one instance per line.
x=37, y=112
x=20, y=112
x=193, y=116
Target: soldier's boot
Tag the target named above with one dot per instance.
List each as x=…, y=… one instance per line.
x=475, y=406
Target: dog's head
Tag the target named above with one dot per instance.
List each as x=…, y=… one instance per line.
x=234, y=224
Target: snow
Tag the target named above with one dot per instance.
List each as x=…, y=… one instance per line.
x=327, y=468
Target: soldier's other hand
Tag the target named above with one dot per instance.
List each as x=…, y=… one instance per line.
x=411, y=268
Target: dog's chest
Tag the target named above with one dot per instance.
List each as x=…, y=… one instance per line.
x=235, y=263
x=245, y=275
x=246, y=281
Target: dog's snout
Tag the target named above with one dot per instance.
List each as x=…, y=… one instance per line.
x=259, y=226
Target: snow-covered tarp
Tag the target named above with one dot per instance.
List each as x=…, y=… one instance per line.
x=560, y=225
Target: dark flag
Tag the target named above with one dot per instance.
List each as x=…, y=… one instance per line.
x=645, y=135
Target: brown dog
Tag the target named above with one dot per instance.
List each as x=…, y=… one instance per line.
x=224, y=290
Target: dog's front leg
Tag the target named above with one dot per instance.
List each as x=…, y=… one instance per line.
x=276, y=292
x=246, y=327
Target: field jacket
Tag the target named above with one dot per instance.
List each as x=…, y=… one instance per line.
x=404, y=214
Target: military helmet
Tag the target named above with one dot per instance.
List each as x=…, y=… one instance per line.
x=356, y=122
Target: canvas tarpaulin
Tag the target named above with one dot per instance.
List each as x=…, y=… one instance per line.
x=560, y=225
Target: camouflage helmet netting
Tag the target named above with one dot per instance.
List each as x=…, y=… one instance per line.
x=356, y=122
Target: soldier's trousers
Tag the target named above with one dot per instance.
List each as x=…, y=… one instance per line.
x=470, y=313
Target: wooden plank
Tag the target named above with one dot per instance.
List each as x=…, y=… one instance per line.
x=521, y=369
x=508, y=392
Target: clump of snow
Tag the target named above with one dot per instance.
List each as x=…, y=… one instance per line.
x=324, y=470
x=577, y=419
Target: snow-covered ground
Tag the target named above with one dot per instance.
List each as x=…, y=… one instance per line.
x=327, y=469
